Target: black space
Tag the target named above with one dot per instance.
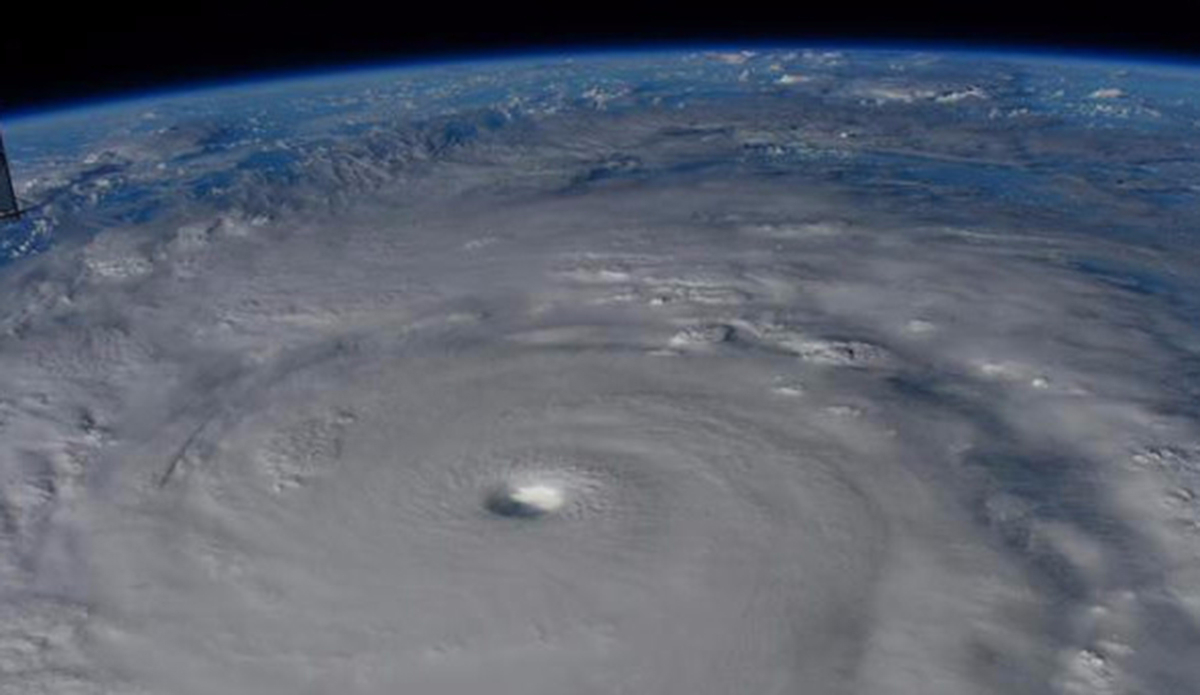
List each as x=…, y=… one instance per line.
x=57, y=53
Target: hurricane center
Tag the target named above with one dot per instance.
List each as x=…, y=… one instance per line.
x=527, y=499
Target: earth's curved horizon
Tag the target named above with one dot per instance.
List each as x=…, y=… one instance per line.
x=249, y=78
x=848, y=371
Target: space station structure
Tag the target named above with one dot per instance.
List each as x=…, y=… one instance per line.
x=9, y=207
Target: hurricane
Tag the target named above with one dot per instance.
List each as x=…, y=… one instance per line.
x=757, y=371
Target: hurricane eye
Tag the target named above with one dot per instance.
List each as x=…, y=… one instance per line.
x=525, y=500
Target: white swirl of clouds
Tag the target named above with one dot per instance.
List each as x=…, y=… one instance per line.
x=515, y=420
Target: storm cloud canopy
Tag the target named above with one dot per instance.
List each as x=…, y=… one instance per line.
x=754, y=372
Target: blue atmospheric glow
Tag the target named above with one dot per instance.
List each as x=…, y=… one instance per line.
x=250, y=79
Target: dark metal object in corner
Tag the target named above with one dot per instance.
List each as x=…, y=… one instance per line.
x=9, y=208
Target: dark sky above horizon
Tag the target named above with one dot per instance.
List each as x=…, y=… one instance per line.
x=54, y=54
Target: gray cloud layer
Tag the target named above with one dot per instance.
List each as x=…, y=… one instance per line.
x=855, y=374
